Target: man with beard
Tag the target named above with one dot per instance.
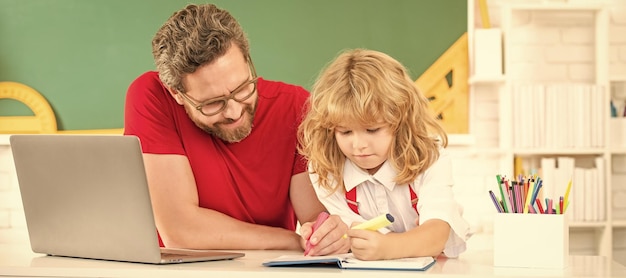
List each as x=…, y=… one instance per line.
x=220, y=143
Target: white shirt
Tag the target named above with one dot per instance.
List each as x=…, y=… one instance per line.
x=378, y=194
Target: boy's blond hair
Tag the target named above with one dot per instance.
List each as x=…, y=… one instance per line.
x=367, y=87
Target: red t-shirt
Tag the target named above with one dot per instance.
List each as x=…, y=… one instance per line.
x=248, y=180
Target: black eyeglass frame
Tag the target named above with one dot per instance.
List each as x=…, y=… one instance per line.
x=224, y=99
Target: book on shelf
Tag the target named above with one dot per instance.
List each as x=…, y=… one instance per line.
x=577, y=206
x=548, y=171
x=587, y=199
x=591, y=190
x=599, y=161
x=558, y=115
x=588, y=195
x=348, y=261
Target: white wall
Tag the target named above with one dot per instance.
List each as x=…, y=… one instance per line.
x=12, y=222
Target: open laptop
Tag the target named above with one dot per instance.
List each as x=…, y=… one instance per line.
x=87, y=196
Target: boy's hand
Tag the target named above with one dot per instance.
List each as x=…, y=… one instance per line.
x=367, y=245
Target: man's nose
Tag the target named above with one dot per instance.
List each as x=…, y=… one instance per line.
x=233, y=109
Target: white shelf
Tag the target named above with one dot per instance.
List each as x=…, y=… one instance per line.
x=557, y=7
x=461, y=140
x=477, y=80
x=549, y=151
x=511, y=26
x=618, y=151
x=488, y=151
x=519, y=20
x=601, y=224
x=618, y=77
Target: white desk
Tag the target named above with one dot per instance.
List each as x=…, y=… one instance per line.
x=19, y=261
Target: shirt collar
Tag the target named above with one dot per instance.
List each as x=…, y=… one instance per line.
x=353, y=175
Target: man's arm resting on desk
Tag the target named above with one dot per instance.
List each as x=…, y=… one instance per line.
x=182, y=223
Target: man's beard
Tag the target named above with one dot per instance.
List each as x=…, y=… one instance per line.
x=230, y=136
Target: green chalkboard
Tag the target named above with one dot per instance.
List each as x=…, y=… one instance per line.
x=82, y=54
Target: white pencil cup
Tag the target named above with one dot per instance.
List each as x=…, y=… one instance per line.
x=531, y=240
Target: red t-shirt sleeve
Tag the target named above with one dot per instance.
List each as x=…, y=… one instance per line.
x=149, y=115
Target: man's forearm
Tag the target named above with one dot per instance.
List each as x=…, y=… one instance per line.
x=209, y=229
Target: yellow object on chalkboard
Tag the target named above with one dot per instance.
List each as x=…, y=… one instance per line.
x=445, y=83
x=43, y=121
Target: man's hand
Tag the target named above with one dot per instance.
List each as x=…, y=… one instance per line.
x=327, y=238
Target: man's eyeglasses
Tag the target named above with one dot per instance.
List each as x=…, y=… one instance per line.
x=240, y=94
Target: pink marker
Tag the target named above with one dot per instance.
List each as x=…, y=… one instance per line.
x=318, y=222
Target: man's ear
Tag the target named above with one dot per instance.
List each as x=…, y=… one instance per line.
x=176, y=95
